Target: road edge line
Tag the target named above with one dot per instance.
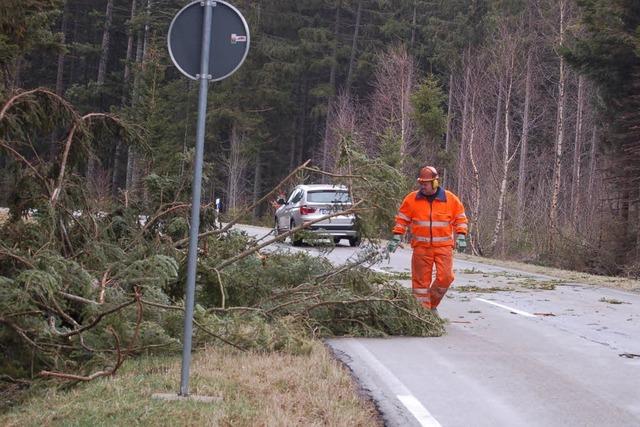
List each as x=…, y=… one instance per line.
x=408, y=400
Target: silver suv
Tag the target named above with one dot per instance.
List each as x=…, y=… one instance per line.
x=309, y=202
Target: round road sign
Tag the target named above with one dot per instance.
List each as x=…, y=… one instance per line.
x=229, y=40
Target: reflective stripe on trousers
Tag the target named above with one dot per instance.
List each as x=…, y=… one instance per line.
x=429, y=292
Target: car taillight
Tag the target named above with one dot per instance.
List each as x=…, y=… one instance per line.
x=306, y=210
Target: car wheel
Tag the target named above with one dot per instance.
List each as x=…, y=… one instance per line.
x=336, y=240
x=295, y=239
x=354, y=241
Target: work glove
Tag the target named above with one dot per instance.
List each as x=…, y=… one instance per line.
x=393, y=243
x=461, y=242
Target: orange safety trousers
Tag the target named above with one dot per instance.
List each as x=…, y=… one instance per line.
x=426, y=291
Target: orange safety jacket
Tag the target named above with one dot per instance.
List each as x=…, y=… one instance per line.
x=432, y=223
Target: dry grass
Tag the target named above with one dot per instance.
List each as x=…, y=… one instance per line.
x=4, y=215
x=564, y=275
x=257, y=390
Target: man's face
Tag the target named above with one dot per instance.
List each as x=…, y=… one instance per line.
x=426, y=186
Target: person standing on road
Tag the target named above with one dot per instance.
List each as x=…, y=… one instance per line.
x=433, y=215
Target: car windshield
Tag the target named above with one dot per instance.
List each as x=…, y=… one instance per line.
x=328, y=196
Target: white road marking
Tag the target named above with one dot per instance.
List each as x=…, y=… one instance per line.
x=403, y=394
x=514, y=310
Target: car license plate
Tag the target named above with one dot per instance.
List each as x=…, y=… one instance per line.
x=325, y=211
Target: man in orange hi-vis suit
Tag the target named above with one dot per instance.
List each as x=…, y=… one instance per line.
x=433, y=215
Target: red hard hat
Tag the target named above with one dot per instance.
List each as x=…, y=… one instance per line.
x=428, y=173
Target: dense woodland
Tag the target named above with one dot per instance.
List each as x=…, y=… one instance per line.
x=528, y=107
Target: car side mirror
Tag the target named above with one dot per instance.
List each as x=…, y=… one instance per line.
x=281, y=202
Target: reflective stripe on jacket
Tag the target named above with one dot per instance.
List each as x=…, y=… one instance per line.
x=431, y=223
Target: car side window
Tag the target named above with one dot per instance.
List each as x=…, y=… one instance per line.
x=296, y=197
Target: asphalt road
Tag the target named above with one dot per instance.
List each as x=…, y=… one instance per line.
x=520, y=350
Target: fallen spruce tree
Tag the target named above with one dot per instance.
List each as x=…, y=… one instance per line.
x=82, y=289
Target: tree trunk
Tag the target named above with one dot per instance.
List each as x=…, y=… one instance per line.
x=235, y=168
x=92, y=161
x=447, y=140
x=132, y=157
x=505, y=156
x=498, y=119
x=413, y=25
x=463, y=136
x=593, y=154
x=406, y=110
x=257, y=181
x=524, y=145
x=104, y=49
x=63, y=32
x=332, y=88
x=474, y=224
x=117, y=157
x=298, y=139
x=577, y=155
x=354, y=45
x=557, y=164
x=129, y=56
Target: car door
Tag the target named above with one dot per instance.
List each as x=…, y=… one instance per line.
x=293, y=207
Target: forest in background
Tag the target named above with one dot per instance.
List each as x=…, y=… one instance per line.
x=529, y=108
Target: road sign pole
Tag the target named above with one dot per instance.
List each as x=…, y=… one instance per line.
x=192, y=262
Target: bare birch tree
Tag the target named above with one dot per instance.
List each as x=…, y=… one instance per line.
x=560, y=125
x=235, y=165
x=509, y=53
x=391, y=109
x=577, y=155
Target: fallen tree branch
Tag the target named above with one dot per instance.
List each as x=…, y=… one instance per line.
x=335, y=175
x=109, y=372
x=21, y=332
x=98, y=319
x=175, y=307
x=231, y=223
x=7, y=252
x=284, y=236
x=76, y=298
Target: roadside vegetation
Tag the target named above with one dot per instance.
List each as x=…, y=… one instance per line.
x=256, y=388
x=90, y=283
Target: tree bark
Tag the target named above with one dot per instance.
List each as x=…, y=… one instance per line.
x=133, y=174
x=61, y=55
x=117, y=157
x=235, y=168
x=297, y=141
x=463, y=136
x=413, y=25
x=524, y=145
x=447, y=140
x=577, y=155
x=505, y=156
x=129, y=55
x=498, y=118
x=354, y=45
x=332, y=88
x=560, y=119
x=257, y=184
x=474, y=225
x=593, y=153
x=104, y=49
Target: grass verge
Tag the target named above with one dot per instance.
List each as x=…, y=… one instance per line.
x=257, y=389
x=564, y=275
